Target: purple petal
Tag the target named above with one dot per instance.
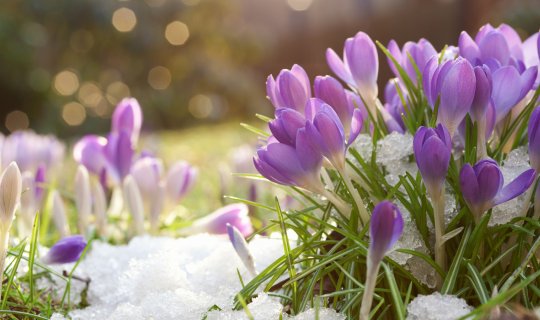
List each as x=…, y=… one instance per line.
x=357, y=123
x=292, y=90
x=273, y=93
x=494, y=46
x=457, y=94
x=482, y=95
x=468, y=49
x=469, y=184
x=332, y=92
x=128, y=117
x=338, y=67
x=234, y=214
x=386, y=227
x=66, y=250
x=90, y=152
x=363, y=62
x=516, y=187
x=506, y=90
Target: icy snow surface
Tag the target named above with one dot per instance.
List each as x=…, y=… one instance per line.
x=166, y=278
x=437, y=307
x=515, y=164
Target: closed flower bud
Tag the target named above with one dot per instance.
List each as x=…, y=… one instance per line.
x=432, y=150
x=66, y=250
x=134, y=203
x=241, y=247
x=59, y=215
x=83, y=198
x=290, y=89
x=10, y=193
x=385, y=228
x=180, y=179
x=128, y=117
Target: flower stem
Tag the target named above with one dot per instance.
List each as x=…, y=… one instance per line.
x=369, y=289
x=4, y=235
x=343, y=207
x=364, y=216
x=481, y=151
x=438, y=199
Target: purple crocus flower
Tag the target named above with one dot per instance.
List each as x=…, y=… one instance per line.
x=290, y=89
x=180, y=180
x=294, y=166
x=30, y=151
x=110, y=158
x=531, y=54
x=534, y=139
x=455, y=83
x=236, y=215
x=66, y=250
x=385, y=228
x=420, y=52
x=127, y=117
x=482, y=186
x=432, y=150
x=359, y=67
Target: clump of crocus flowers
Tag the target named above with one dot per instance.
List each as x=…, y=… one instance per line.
x=467, y=107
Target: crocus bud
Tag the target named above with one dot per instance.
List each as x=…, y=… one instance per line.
x=286, y=124
x=119, y=152
x=10, y=193
x=100, y=208
x=128, y=117
x=286, y=165
x=385, y=229
x=534, y=139
x=455, y=83
x=482, y=186
x=241, y=247
x=291, y=89
x=66, y=250
x=359, y=67
x=134, y=203
x=432, y=150
x=59, y=215
x=180, y=180
x=39, y=180
x=482, y=94
x=83, y=198
x=216, y=222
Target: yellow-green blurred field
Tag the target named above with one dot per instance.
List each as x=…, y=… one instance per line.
x=210, y=149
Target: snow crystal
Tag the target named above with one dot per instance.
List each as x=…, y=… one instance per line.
x=393, y=148
x=437, y=307
x=364, y=145
x=166, y=278
x=515, y=163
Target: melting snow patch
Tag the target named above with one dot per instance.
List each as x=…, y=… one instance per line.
x=437, y=307
x=166, y=278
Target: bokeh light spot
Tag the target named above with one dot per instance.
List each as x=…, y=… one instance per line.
x=17, y=120
x=66, y=82
x=299, y=5
x=177, y=33
x=90, y=94
x=159, y=78
x=200, y=106
x=73, y=113
x=124, y=19
x=117, y=91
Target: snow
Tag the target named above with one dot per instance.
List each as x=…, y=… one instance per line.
x=515, y=163
x=167, y=278
x=437, y=307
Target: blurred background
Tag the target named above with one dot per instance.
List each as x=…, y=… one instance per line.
x=65, y=64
